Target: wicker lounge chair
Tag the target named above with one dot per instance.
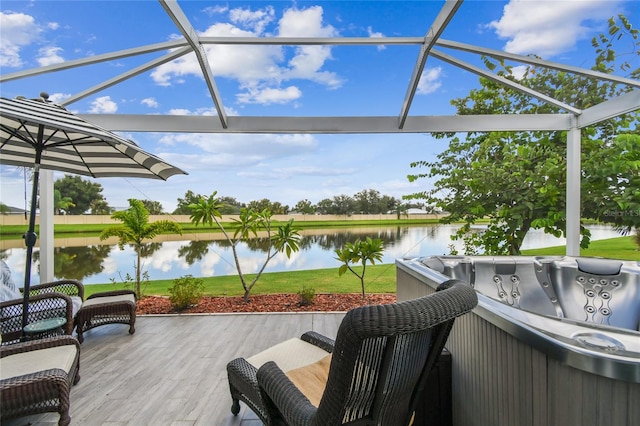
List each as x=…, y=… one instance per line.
x=36, y=377
x=379, y=362
x=58, y=299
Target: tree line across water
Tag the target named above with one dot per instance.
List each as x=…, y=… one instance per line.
x=75, y=196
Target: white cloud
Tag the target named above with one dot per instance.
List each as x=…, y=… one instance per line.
x=519, y=71
x=208, y=263
x=269, y=95
x=548, y=28
x=286, y=173
x=429, y=81
x=255, y=20
x=243, y=63
x=179, y=111
x=18, y=30
x=314, y=171
x=234, y=150
x=230, y=111
x=103, y=105
x=50, y=55
x=260, y=70
x=200, y=111
x=58, y=97
x=165, y=258
x=304, y=23
x=308, y=60
x=150, y=102
x=214, y=10
x=376, y=34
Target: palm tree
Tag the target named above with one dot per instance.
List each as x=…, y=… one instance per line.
x=284, y=239
x=135, y=229
x=61, y=203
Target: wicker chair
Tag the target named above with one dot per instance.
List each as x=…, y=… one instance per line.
x=379, y=362
x=47, y=300
x=36, y=377
x=65, y=298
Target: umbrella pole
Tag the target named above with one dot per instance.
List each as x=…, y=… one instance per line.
x=30, y=236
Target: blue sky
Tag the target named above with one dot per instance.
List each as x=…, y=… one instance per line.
x=278, y=80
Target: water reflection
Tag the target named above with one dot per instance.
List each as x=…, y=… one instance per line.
x=168, y=257
x=77, y=263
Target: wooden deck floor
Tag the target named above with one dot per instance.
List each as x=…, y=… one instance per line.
x=172, y=371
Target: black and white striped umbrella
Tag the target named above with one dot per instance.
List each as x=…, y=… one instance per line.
x=31, y=128
x=39, y=134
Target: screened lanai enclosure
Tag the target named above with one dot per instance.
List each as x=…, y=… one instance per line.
x=553, y=341
x=439, y=43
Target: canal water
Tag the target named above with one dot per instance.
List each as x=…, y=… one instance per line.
x=94, y=262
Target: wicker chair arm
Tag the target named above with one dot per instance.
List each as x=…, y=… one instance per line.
x=317, y=339
x=33, y=345
x=50, y=305
x=56, y=377
x=241, y=369
x=279, y=391
x=36, y=297
x=112, y=293
x=70, y=287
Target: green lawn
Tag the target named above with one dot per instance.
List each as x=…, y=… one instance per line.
x=378, y=278
x=615, y=248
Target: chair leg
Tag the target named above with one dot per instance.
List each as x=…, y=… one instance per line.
x=235, y=406
x=79, y=334
x=65, y=404
x=132, y=323
x=65, y=419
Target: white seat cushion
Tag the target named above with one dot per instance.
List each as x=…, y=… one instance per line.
x=43, y=359
x=290, y=354
x=109, y=299
x=77, y=304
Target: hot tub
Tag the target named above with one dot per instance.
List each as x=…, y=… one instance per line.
x=553, y=340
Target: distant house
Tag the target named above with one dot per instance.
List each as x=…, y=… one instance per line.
x=12, y=210
x=416, y=211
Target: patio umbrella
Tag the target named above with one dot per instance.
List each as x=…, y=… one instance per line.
x=40, y=134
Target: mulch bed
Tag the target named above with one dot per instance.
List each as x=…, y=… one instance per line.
x=264, y=303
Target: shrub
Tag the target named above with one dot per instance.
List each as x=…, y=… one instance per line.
x=186, y=291
x=307, y=294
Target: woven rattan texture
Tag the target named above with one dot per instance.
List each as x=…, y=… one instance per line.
x=382, y=355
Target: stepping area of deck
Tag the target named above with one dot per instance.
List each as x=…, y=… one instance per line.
x=172, y=371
